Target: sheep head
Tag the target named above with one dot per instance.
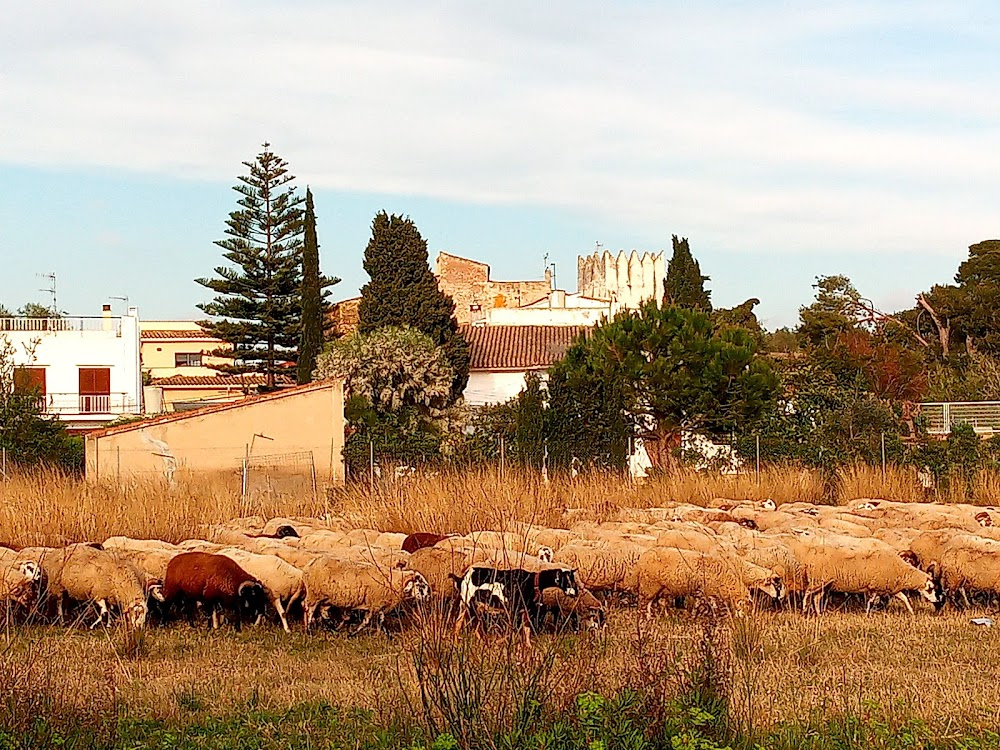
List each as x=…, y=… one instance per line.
x=417, y=588
x=769, y=504
x=929, y=590
x=135, y=615
x=545, y=554
x=252, y=599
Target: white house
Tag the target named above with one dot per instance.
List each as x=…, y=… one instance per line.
x=500, y=356
x=558, y=308
x=85, y=369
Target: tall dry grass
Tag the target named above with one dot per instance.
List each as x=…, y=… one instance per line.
x=51, y=508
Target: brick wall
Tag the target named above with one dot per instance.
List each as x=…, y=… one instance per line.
x=469, y=284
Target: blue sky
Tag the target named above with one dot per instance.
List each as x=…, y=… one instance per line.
x=786, y=140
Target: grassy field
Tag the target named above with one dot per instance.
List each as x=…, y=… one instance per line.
x=772, y=680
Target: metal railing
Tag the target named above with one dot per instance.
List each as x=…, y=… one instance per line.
x=86, y=403
x=56, y=325
x=940, y=417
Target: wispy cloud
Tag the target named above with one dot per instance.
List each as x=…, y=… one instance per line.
x=753, y=126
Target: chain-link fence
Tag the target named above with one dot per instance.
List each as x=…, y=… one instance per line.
x=292, y=474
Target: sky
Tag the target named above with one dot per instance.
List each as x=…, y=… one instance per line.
x=786, y=140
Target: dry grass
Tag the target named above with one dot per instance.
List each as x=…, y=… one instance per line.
x=784, y=667
x=49, y=508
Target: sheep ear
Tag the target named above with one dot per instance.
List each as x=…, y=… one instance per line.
x=932, y=569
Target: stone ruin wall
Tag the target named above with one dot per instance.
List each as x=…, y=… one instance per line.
x=627, y=280
x=468, y=283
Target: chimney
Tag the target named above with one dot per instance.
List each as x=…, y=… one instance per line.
x=106, y=315
x=557, y=299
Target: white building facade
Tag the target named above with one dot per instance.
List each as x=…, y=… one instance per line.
x=85, y=370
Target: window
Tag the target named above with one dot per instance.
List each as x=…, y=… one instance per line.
x=30, y=380
x=95, y=390
x=187, y=359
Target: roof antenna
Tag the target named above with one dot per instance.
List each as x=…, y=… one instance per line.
x=51, y=289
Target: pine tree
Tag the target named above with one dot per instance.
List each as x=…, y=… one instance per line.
x=259, y=297
x=403, y=291
x=314, y=294
x=684, y=286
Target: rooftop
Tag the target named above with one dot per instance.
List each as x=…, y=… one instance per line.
x=518, y=347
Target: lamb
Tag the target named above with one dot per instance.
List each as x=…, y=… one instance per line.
x=348, y=586
x=668, y=572
x=284, y=583
x=584, y=609
x=216, y=583
x=84, y=574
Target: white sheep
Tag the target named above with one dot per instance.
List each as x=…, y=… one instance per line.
x=85, y=574
x=283, y=582
x=349, y=586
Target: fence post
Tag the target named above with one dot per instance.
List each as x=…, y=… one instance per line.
x=3, y=465
x=883, y=455
x=758, y=459
x=371, y=464
x=503, y=457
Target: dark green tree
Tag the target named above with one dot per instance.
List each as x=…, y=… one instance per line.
x=259, y=297
x=676, y=373
x=586, y=416
x=314, y=296
x=684, y=286
x=742, y=317
x=403, y=292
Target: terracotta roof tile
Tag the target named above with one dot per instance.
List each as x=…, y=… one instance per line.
x=220, y=381
x=199, y=334
x=518, y=347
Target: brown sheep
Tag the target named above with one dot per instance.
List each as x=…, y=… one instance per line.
x=421, y=539
x=216, y=583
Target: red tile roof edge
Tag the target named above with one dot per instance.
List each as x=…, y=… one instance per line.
x=249, y=401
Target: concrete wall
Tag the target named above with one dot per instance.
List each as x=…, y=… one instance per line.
x=494, y=387
x=305, y=419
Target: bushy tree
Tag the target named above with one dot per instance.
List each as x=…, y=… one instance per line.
x=684, y=285
x=402, y=291
x=676, y=373
x=315, y=306
x=741, y=317
x=391, y=368
x=398, y=387
x=259, y=297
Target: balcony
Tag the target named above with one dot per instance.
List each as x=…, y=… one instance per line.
x=55, y=325
x=69, y=404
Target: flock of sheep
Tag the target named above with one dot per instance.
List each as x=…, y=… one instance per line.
x=320, y=572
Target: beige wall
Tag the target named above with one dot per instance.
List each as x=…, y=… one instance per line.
x=158, y=357
x=308, y=419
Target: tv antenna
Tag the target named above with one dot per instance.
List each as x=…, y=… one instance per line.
x=123, y=298
x=550, y=267
x=51, y=289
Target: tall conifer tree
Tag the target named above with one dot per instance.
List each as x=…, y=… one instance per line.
x=403, y=291
x=684, y=286
x=259, y=296
x=314, y=294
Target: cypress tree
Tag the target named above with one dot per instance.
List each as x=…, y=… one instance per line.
x=403, y=292
x=684, y=286
x=259, y=297
x=314, y=294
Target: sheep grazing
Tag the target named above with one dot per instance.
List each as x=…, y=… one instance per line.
x=216, y=583
x=348, y=586
x=665, y=573
x=583, y=611
x=968, y=565
x=868, y=567
x=84, y=574
x=284, y=583
x=19, y=581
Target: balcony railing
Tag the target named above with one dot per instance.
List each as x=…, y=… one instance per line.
x=80, y=403
x=56, y=325
x=983, y=416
